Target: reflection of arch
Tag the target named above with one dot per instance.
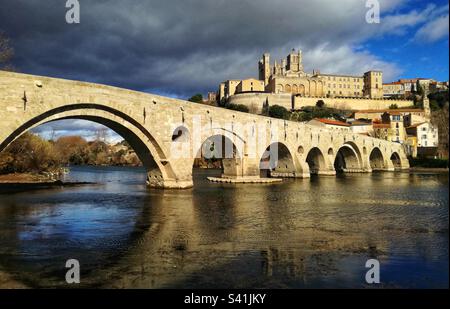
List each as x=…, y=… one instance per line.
x=315, y=160
x=396, y=161
x=294, y=88
x=347, y=159
x=277, y=160
x=287, y=88
x=376, y=159
x=143, y=143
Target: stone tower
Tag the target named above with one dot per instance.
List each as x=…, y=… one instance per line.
x=264, y=68
x=373, y=84
x=426, y=104
x=294, y=62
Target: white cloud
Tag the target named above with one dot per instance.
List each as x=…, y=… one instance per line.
x=84, y=128
x=345, y=60
x=434, y=30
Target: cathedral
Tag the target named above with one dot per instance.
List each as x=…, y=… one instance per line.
x=288, y=76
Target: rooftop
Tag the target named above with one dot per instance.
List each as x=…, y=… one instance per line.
x=332, y=122
x=400, y=110
x=361, y=123
x=416, y=125
x=381, y=125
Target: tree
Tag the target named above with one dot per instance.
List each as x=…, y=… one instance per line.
x=440, y=118
x=393, y=106
x=238, y=107
x=420, y=90
x=73, y=149
x=277, y=111
x=438, y=99
x=6, y=53
x=29, y=153
x=320, y=104
x=197, y=98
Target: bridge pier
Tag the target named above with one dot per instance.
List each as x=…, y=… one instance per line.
x=240, y=168
x=155, y=179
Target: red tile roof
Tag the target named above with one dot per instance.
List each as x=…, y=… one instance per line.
x=381, y=125
x=332, y=122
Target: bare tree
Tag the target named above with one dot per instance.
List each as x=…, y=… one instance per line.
x=101, y=134
x=6, y=53
x=440, y=118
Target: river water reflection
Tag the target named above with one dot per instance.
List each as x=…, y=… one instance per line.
x=315, y=232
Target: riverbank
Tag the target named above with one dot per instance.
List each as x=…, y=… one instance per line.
x=428, y=169
x=7, y=281
x=10, y=183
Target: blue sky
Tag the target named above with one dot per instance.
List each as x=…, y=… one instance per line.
x=416, y=55
x=178, y=48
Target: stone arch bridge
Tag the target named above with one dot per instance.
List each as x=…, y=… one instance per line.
x=167, y=134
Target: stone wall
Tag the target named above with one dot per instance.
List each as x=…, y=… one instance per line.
x=351, y=103
x=255, y=102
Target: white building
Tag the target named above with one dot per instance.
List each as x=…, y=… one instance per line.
x=361, y=127
x=427, y=135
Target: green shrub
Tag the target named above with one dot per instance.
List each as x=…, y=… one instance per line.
x=277, y=111
x=238, y=107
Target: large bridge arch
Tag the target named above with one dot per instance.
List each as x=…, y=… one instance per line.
x=278, y=160
x=348, y=158
x=396, y=160
x=220, y=144
x=376, y=160
x=159, y=172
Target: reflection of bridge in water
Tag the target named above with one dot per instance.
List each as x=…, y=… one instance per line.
x=158, y=127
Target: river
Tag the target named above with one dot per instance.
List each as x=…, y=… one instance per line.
x=301, y=233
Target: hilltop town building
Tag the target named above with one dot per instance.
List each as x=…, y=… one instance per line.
x=426, y=139
x=411, y=115
x=405, y=87
x=288, y=76
x=286, y=83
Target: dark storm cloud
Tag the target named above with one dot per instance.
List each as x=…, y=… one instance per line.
x=185, y=46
